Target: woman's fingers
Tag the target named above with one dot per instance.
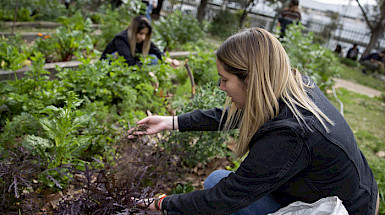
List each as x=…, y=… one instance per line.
x=175, y=62
x=145, y=203
x=151, y=125
x=142, y=121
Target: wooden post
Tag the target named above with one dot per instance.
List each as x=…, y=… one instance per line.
x=190, y=74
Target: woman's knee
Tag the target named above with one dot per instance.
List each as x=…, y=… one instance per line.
x=214, y=178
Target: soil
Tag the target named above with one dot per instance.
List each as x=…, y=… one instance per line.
x=178, y=174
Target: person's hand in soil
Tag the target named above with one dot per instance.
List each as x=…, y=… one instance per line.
x=151, y=203
x=156, y=124
x=144, y=203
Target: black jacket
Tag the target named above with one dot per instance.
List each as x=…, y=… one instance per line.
x=288, y=160
x=121, y=45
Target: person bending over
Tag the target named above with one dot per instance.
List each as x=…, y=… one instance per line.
x=298, y=146
x=136, y=40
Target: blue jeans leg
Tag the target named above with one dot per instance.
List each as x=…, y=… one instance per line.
x=148, y=11
x=263, y=205
x=154, y=59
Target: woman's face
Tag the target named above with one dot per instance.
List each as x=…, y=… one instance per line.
x=235, y=88
x=141, y=35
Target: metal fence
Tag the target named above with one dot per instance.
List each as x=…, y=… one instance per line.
x=344, y=35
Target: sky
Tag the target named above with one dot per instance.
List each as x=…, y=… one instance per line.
x=353, y=2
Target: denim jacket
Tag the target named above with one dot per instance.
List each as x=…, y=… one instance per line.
x=288, y=159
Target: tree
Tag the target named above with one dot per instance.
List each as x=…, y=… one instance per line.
x=246, y=8
x=375, y=19
x=202, y=10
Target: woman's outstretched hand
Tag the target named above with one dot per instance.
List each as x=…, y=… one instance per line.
x=156, y=124
x=174, y=62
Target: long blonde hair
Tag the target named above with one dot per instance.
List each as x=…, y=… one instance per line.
x=137, y=24
x=256, y=57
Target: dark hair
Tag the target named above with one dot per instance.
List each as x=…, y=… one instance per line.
x=137, y=24
x=294, y=3
x=383, y=51
x=142, y=22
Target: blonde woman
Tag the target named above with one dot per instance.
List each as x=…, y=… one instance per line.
x=298, y=146
x=136, y=40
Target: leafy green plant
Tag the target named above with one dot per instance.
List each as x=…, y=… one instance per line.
x=13, y=56
x=31, y=10
x=200, y=146
x=350, y=62
x=310, y=58
x=224, y=24
x=177, y=29
x=114, y=20
x=68, y=40
x=60, y=147
x=180, y=188
x=33, y=92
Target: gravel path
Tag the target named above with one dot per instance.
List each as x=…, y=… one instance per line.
x=357, y=88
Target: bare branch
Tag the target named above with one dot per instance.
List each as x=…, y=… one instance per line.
x=364, y=13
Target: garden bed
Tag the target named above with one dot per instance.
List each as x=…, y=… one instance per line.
x=52, y=67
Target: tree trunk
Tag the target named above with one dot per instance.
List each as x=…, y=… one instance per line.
x=376, y=27
x=202, y=10
x=245, y=12
x=375, y=35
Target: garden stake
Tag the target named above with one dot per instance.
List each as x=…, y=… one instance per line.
x=190, y=74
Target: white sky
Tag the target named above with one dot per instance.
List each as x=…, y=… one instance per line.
x=353, y=2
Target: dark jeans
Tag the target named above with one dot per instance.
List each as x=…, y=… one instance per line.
x=264, y=205
x=370, y=66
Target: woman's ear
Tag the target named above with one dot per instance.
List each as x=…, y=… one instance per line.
x=246, y=83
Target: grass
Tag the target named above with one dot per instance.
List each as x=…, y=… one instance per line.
x=365, y=116
x=354, y=74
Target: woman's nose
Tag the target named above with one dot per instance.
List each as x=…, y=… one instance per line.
x=221, y=86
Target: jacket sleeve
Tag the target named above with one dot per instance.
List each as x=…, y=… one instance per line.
x=275, y=157
x=200, y=120
x=124, y=50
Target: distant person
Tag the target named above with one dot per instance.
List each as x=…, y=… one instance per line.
x=67, y=3
x=353, y=52
x=338, y=50
x=134, y=41
x=289, y=15
x=373, y=62
x=152, y=4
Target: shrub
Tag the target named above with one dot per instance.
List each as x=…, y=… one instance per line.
x=310, y=58
x=224, y=24
x=350, y=62
x=177, y=29
x=30, y=10
x=13, y=53
x=200, y=146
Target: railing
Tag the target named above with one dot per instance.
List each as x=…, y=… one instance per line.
x=261, y=18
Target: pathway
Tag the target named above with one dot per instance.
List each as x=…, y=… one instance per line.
x=357, y=88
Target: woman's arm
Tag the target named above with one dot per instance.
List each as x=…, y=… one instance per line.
x=275, y=158
x=124, y=50
x=197, y=120
x=201, y=120
x=155, y=50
